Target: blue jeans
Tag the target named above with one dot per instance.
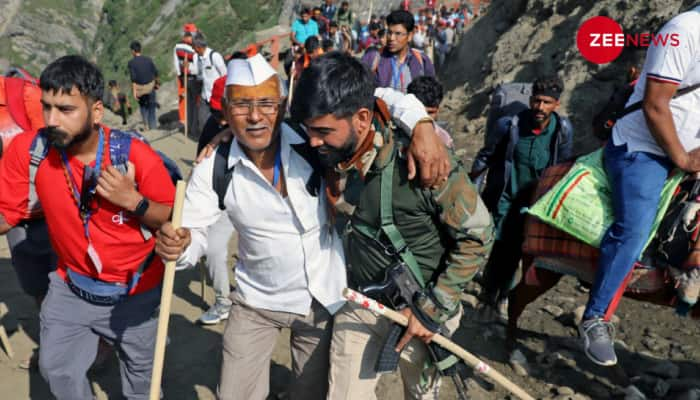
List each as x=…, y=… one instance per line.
x=636, y=180
x=147, y=106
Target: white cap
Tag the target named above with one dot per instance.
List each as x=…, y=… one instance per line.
x=249, y=72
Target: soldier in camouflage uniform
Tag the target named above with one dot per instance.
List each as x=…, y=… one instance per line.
x=447, y=230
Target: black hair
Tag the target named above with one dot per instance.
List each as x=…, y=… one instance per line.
x=327, y=45
x=427, y=89
x=335, y=83
x=345, y=3
x=374, y=26
x=551, y=84
x=112, y=83
x=312, y=44
x=401, y=17
x=317, y=9
x=238, y=55
x=135, y=46
x=199, y=40
x=333, y=24
x=305, y=11
x=67, y=72
x=381, y=33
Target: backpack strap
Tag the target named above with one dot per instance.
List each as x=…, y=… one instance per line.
x=222, y=173
x=386, y=212
x=119, y=147
x=14, y=90
x=37, y=152
x=375, y=62
x=418, y=55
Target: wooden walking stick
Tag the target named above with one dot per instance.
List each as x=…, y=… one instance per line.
x=165, y=300
x=186, y=67
x=447, y=344
x=291, y=84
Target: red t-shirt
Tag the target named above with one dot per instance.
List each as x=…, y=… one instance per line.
x=115, y=233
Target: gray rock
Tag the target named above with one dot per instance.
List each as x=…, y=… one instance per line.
x=565, y=390
x=578, y=314
x=553, y=310
x=692, y=394
x=632, y=393
x=519, y=363
x=652, y=344
x=664, y=369
x=661, y=388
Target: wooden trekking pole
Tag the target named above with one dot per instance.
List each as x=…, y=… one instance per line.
x=165, y=300
x=447, y=344
x=291, y=84
x=186, y=67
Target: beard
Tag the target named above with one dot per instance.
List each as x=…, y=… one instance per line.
x=62, y=140
x=330, y=157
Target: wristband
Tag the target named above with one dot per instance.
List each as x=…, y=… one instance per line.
x=141, y=208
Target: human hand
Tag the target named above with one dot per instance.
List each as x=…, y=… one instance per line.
x=414, y=328
x=429, y=152
x=119, y=189
x=221, y=137
x=171, y=243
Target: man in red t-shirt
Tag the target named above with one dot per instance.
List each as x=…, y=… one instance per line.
x=107, y=282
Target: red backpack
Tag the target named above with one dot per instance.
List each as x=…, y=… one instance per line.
x=20, y=108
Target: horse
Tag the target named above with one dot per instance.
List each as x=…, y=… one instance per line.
x=549, y=254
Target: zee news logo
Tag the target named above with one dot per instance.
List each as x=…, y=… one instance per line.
x=601, y=40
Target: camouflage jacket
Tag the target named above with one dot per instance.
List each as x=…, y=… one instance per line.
x=448, y=230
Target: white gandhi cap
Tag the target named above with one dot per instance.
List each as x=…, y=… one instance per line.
x=249, y=72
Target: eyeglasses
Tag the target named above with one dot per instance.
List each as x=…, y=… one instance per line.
x=266, y=107
x=397, y=34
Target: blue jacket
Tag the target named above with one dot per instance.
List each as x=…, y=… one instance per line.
x=497, y=154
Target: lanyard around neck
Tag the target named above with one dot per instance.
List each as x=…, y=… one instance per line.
x=396, y=76
x=83, y=202
x=278, y=166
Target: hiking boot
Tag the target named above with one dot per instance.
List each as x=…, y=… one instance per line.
x=598, y=341
x=215, y=314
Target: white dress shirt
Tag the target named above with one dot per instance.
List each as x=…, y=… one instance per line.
x=288, y=252
x=211, y=66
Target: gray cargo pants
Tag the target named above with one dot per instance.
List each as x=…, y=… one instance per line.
x=71, y=328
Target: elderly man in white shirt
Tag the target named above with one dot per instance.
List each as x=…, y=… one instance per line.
x=291, y=269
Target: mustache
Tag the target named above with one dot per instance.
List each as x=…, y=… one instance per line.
x=257, y=126
x=57, y=137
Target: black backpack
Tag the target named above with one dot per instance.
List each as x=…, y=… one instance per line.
x=615, y=109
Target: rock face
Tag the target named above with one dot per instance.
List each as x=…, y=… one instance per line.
x=519, y=39
x=35, y=32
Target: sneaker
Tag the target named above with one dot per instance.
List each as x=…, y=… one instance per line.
x=215, y=314
x=598, y=341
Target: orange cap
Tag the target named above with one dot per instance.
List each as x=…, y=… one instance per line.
x=251, y=50
x=190, y=27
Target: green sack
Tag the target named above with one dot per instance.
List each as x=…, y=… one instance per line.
x=580, y=203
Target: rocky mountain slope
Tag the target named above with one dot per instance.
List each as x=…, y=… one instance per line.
x=519, y=39
x=34, y=32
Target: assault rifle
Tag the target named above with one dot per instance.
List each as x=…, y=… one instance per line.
x=398, y=289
